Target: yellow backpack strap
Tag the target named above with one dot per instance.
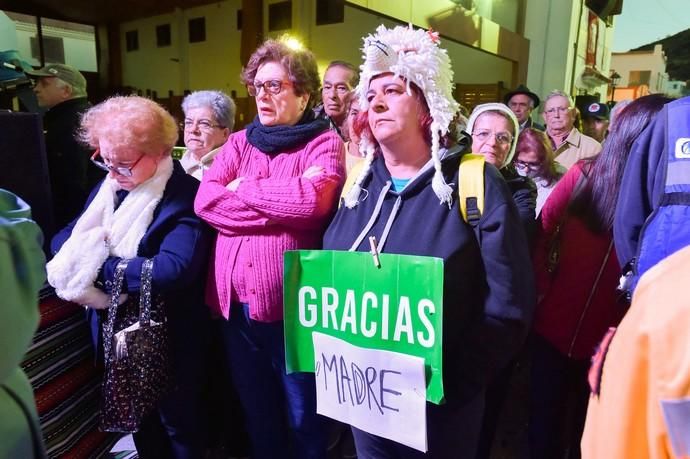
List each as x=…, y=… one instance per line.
x=471, y=188
x=350, y=180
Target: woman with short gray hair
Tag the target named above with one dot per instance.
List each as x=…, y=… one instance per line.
x=209, y=117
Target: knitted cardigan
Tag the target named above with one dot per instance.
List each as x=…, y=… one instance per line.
x=274, y=209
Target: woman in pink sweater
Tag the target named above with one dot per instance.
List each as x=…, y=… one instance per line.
x=272, y=188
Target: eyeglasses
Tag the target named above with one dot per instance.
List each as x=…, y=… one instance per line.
x=123, y=171
x=514, y=105
x=271, y=87
x=340, y=89
x=203, y=125
x=501, y=137
x=527, y=166
x=554, y=110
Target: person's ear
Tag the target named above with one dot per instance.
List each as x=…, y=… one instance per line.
x=67, y=91
x=304, y=102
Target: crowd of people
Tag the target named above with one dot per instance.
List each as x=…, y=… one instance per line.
x=368, y=151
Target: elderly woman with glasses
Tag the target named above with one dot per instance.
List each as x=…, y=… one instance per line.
x=143, y=209
x=209, y=117
x=535, y=159
x=273, y=187
x=494, y=129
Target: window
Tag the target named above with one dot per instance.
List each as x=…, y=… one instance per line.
x=64, y=42
x=639, y=77
x=197, y=30
x=132, y=40
x=163, y=35
x=239, y=19
x=330, y=12
x=279, y=16
x=53, y=49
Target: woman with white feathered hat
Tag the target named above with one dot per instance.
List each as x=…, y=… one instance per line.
x=406, y=195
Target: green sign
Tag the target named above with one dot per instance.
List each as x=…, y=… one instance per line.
x=396, y=307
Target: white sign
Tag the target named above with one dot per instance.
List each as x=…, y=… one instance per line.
x=380, y=392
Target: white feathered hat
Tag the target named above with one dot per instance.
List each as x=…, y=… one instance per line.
x=415, y=56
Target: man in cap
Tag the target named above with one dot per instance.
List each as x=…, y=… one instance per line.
x=61, y=89
x=595, y=120
x=522, y=101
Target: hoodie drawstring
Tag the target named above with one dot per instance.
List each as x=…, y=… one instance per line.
x=372, y=219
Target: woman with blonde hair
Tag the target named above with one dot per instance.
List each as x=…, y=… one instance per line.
x=142, y=210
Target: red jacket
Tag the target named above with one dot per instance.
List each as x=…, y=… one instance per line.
x=566, y=316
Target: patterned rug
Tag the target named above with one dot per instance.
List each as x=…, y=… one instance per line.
x=66, y=382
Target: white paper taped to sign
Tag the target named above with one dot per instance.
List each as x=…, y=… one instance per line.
x=380, y=392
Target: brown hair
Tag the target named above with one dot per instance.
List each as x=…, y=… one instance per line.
x=531, y=139
x=300, y=66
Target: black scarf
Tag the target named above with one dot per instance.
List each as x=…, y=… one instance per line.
x=276, y=139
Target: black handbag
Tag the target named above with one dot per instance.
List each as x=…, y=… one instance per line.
x=137, y=356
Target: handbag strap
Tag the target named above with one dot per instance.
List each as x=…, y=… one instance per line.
x=145, y=293
x=108, y=329
x=554, y=254
x=591, y=295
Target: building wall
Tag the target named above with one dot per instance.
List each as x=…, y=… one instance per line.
x=489, y=26
x=8, y=33
x=548, y=27
x=502, y=12
x=211, y=64
x=150, y=67
x=215, y=63
x=652, y=61
x=553, y=28
x=602, y=60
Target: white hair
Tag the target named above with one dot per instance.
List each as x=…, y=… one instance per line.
x=559, y=93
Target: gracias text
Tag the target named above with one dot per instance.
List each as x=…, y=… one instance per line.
x=368, y=314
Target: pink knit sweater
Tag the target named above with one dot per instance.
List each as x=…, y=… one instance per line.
x=274, y=209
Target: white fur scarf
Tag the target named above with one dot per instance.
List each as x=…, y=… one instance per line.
x=102, y=231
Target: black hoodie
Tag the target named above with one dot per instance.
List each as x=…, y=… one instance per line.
x=488, y=297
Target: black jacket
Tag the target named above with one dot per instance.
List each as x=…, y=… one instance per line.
x=179, y=243
x=488, y=296
x=530, y=123
x=524, y=193
x=71, y=174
